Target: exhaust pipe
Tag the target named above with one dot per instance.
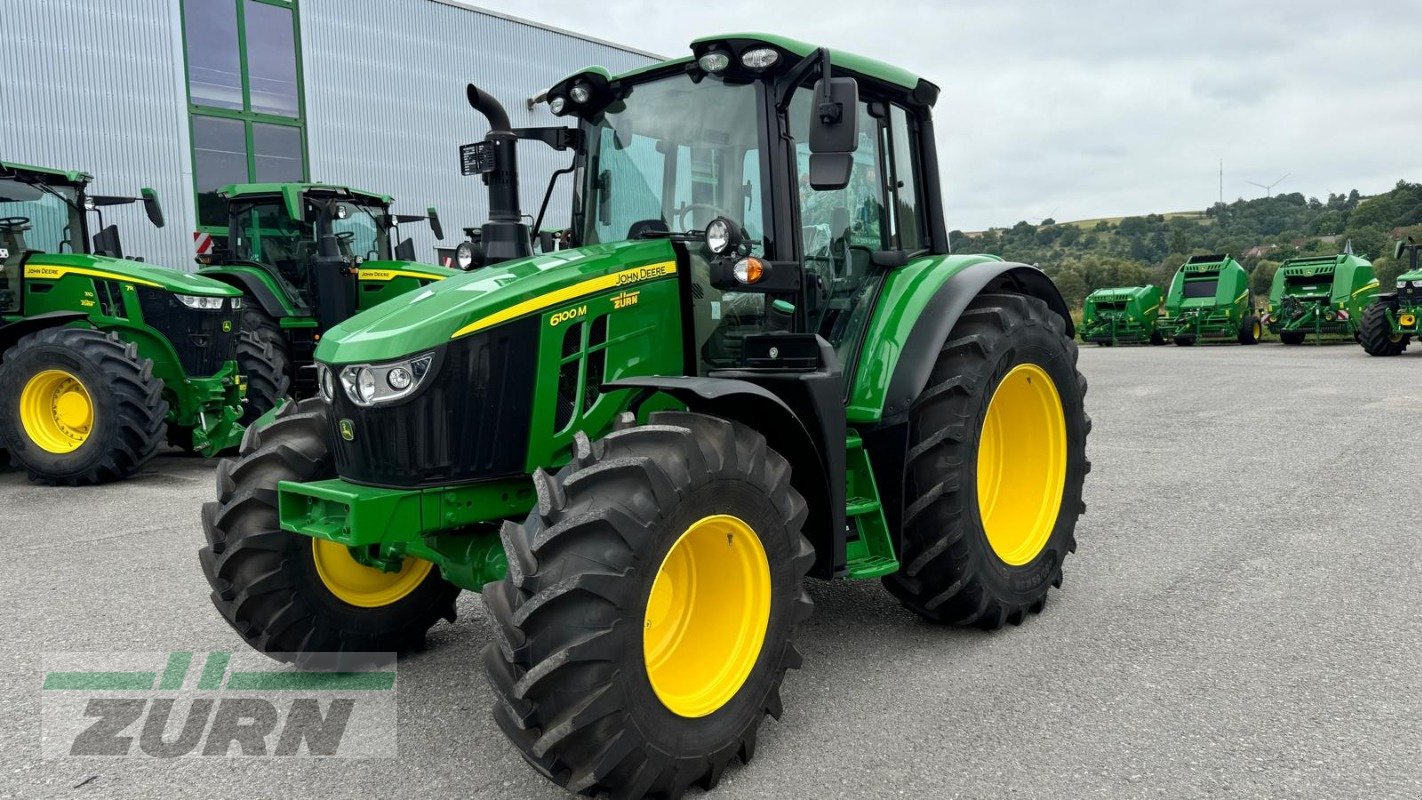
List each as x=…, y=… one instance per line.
x=505, y=236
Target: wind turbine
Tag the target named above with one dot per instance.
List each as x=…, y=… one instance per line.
x=1269, y=189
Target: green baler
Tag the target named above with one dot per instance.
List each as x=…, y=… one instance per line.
x=1392, y=319
x=1127, y=314
x=1320, y=295
x=1209, y=298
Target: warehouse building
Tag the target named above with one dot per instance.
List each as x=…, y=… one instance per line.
x=185, y=96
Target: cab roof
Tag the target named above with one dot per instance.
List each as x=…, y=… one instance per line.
x=54, y=176
x=291, y=193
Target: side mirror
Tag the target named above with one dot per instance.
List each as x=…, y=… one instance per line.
x=604, y=198
x=1397, y=249
x=405, y=251
x=546, y=241
x=434, y=223
x=151, y=206
x=834, y=132
x=106, y=242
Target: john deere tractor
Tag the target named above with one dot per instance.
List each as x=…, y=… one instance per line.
x=1392, y=320
x=307, y=256
x=101, y=354
x=1115, y=315
x=1319, y=296
x=1209, y=298
x=638, y=448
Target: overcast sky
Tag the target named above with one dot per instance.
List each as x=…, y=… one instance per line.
x=1106, y=107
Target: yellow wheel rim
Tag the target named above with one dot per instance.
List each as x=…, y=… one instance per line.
x=1258, y=332
x=56, y=411
x=355, y=583
x=1022, y=456
x=706, y=616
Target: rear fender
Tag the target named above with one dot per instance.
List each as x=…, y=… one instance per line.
x=256, y=283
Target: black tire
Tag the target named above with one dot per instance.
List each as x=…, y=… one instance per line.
x=1293, y=337
x=1157, y=338
x=266, y=371
x=951, y=573
x=127, y=401
x=568, y=669
x=1376, y=336
x=262, y=325
x=1183, y=341
x=264, y=579
x=1250, y=330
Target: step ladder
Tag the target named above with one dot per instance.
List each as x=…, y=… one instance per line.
x=868, y=552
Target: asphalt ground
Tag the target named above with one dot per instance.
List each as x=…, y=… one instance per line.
x=1242, y=619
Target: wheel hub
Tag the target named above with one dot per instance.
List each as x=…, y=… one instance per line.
x=56, y=411
x=367, y=587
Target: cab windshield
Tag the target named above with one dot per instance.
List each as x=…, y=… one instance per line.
x=265, y=233
x=33, y=218
x=674, y=155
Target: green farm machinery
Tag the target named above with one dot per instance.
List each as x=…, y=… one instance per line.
x=103, y=355
x=1128, y=314
x=1392, y=320
x=305, y=257
x=638, y=447
x=1319, y=296
x=1209, y=298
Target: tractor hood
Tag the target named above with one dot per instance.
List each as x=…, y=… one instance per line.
x=57, y=265
x=1411, y=275
x=490, y=296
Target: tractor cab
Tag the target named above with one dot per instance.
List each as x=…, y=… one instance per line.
x=47, y=211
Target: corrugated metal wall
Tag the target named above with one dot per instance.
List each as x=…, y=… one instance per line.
x=386, y=109
x=96, y=85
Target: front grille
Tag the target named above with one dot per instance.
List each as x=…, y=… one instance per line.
x=204, y=340
x=469, y=422
x=1410, y=295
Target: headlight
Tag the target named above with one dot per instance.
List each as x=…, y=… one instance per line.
x=201, y=303
x=464, y=255
x=581, y=93
x=760, y=58
x=373, y=384
x=326, y=380
x=556, y=105
x=715, y=61
x=236, y=304
x=1402, y=284
x=718, y=235
x=1417, y=284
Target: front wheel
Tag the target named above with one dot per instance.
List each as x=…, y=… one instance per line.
x=995, y=468
x=1293, y=337
x=650, y=608
x=265, y=368
x=79, y=406
x=1251, y=331
x=1376, y=334
x=298, y=598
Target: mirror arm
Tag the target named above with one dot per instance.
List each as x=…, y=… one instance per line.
x=548, y=195
x=797, y=74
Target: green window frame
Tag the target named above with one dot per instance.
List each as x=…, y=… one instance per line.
x=260, y=130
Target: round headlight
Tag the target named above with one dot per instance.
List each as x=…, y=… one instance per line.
x=748, y=270
x=581, y=93
x=557, y=104
x=342, y=212
x=88, y=204
x=714, y=61
x=365, y=383
x=760, y=57
x=464, y=255
x=718, y=235
x=399, y=379
x=328, y=385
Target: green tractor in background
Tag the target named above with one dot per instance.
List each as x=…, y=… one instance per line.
x=1209, y=298
x=307, y=256
x=1320, y=295
x=1127, y=314
x=1392, y=320
x=102, y=354
x=638, y=447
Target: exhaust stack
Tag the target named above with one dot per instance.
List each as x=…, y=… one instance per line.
x=505, y=236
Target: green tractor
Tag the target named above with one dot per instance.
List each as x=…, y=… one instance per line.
x=1209, y=298
x=1392, y=320
x=638, y=447
x=307, y=256
x=103, y=355
x=1115, y=315
x=1320, y=295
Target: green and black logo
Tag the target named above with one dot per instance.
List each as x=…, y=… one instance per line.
x=347, y=430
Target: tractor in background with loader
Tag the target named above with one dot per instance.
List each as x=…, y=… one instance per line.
x=1209, y=298
x=305, y=257
x=103, y=355
x=1127, y=314
x=1319, y=296
x=638, y=447
x=1392, y=320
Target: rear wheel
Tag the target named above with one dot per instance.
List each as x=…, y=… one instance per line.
x=265, y=369
x=650, y=608
x=1183, y=341
x=996, y=462
x=1292, y=337
x=1251, y=331
x=1376, y=334
x=298, y=598
x=1156, y=338
x=79, y=406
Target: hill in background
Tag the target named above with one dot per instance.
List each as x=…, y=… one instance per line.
x=1091, y=254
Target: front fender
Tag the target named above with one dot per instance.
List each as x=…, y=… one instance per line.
x=918, y=305
x=259, y=284
x=12, y=333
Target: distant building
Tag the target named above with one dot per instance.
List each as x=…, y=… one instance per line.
x=189, y=95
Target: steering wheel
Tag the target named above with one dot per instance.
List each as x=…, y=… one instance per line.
x=682, y=212
x=345, y=236
x=14, y=222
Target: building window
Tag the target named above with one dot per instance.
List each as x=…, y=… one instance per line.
x=244, y=97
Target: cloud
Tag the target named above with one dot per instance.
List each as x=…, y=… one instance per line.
x=1107, y=107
